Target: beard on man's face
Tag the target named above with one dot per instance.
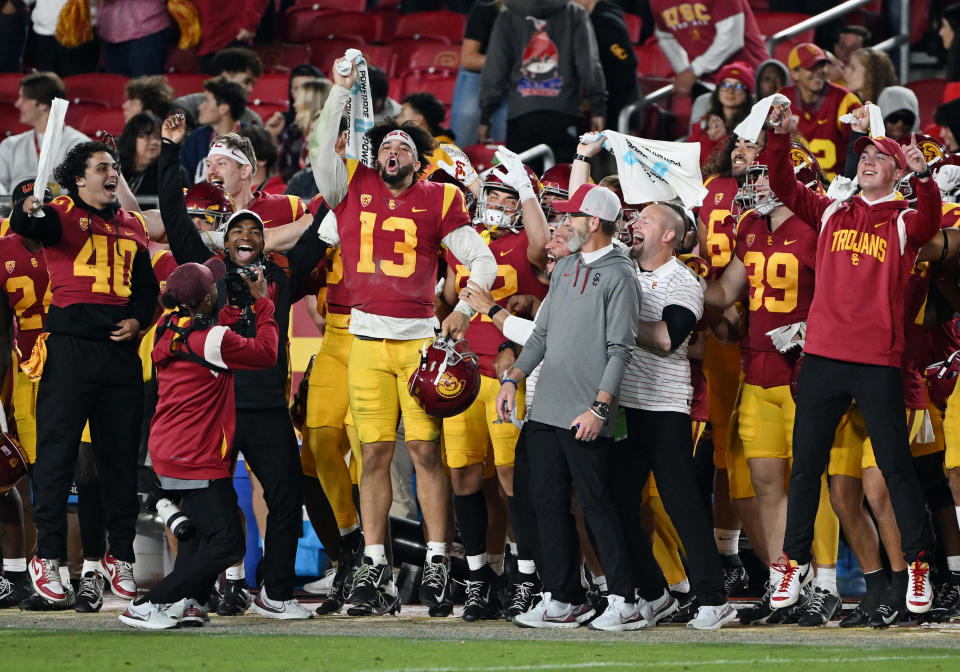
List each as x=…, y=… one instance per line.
x=398, y=177
x=576, y=239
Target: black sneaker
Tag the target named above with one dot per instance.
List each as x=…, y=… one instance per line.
x=735, y=580
x=687, y=607
x=884, y=616
x=351, y=555
x=332, y=605
x=90, y=594
x=36, y=603
x=946, y=604
x=435, y=582
x=367, y=580
x=522, y=593
x=597, y=599
x=858, y=618
x=236, y=598
x=481, y=603
x=216, y=597
x=761, y=613
x=380, y=604
x=819, y=609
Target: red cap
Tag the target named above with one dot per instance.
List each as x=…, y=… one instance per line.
x=190, y=282
x=592, y=199
x=739, y=71
x=805, y=55
x=888, y=146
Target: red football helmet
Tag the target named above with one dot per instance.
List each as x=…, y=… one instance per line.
x=942, y=378
x=556, y=186
x=500, y=215
x=443, y=177
x=209, y=200
x=756, y=193
x=934, y=152
x=447, y=380
x=13, y=461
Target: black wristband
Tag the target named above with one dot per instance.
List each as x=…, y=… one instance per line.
x=925, y=173
x=508, y=345
x=581, y=157
x=493, y=311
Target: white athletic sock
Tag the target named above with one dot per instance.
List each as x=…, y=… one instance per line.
x=344, y=531
x=64, y=575
x=600, y=582
x=496, y=564
x=526, y=566
x=377, y=553
x=476, y=562
x=436, y=548
x=19, y=564
x=682, y=587
x=88, y=566
x=728, y=541
x=513, y=547
x=236, y=573
x=953, y=563
x=826, y=579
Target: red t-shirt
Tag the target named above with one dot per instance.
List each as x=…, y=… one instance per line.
x=277, y=209
x=514, y=276
x=24, y=278
x=824, y=134
x=390, y=244
x=715, y=217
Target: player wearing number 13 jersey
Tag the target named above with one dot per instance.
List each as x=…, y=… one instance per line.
x=104, y=291
x=389, y=227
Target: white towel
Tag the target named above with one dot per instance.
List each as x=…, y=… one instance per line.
x=50, y=148
x=656, y=170
x=359, y=112
x=750, y=128
x=877, y=128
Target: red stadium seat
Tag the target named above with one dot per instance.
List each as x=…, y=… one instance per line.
x=272, y=89
x=419, y=56
x=77, y=112
x=651, y=61
x=325, y=52
x=10, y=121
x=929, y=95
x=186, y=82
x=328, y=6
x=443, y=26
x=10, y=86
x=380, y=55
x=109, y=120
x=282, y=57
x=391, y=17
x=395, y=89
x=441, y=86
x=96, y=87
x=266, y=110
x=312, y=26
x=771, y=23
x=183, y=60
x=634, y=27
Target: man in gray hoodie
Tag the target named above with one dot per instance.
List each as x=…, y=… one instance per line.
x=543, y=56
x=585, y=335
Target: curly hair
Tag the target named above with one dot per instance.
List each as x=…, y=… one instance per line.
x=879, y=74
x=153, y=92
x=421, y=138
x=74, y=164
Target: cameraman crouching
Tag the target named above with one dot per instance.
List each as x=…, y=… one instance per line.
x=194, y=422
x=265, y=432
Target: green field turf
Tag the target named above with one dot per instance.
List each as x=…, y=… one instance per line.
x=25, y=650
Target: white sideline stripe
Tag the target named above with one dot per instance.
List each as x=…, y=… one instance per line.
x=675, y=663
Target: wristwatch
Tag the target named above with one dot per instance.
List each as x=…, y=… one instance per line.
x=493, y=311
x=925, y=173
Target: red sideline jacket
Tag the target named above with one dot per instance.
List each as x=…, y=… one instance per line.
x=192, y=429
x=864, y=256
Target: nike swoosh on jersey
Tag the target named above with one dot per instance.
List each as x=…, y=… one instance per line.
x=877, y=226
x=789, y=242
x=822, y=121
x=418, y=209
x=504, y=253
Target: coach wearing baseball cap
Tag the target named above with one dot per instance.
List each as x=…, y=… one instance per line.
x=585, y=334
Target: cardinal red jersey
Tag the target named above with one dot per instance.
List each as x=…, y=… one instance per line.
x=163, y=265
x=333, y=297
x=694, y=24
x=779, y=267
x=24, y=278
x=514, y=276
x=715, y=217
x=390, y=244
x=93, y=260
x=276, y=209
x=823, y=133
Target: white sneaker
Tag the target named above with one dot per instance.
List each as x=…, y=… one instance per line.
x=288, y=610
x=45, y=576
x=119, y=575
x=549, y=613
x=919, y=590
x=323, y=585
x=194, y=615
x=792, y=578
x=619, y=615
x=147, y=616
x=712, y=617
x=654, y=612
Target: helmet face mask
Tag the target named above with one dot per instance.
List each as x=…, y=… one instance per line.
x=934, y=153
x=210, y=202
x=756, y=192
x=556, y=185
x=499, y=215
x=628, y=217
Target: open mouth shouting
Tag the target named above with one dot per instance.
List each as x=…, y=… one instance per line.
x=393, y=164
x=245, y=253
x=110, y=186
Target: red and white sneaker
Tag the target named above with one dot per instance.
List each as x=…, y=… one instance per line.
x=45, y=576
x=793, y=577
x=119, y=575
x=919, y=589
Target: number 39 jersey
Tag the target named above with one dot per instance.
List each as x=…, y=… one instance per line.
x=93, y=261
x=23, y=276
x=780, y=270
x=390, y=245
x=514, y=276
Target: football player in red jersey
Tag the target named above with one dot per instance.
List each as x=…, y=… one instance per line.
x=103, y=291
x=389, y=227
x=509, y=210
x=556, y=187
x=819, y=105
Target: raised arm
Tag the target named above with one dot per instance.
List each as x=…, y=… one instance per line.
x=185, y=242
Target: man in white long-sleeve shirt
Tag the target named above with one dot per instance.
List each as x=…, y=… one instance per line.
x=20, y=154
x=389, y=227
x=700, y=38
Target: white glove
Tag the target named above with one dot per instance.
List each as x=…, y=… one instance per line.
x=514, y=174
x=842, y=188
x=459, y=167
x=789, y=336
x=213, y=240
x=948, y=179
